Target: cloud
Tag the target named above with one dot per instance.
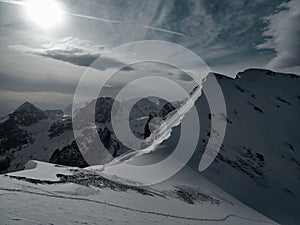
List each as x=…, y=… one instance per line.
x=21, y=72
x=16, y=83
x=75, y=51
x=10, y=100
x=283, y=36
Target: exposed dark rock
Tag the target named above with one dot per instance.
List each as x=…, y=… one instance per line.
x=209, y=116
x=69, y=156
x=256, y=108
x=102, y=108
x=97, y=180
x=290, y=146
x=260, y=157
x=105, y=137
x=167, y=109
x=12, y=136
x=283, y=100
x=240, y=88
x=191, y=196
x=60, y=127
x=4, y=163
x=147, y=131
x=35, y=181
x=247, y=162
x=28, y=114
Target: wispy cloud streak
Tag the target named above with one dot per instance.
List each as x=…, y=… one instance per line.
x=22, y=3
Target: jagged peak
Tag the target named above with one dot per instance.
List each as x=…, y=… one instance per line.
x=28, y=106
x=28, y=114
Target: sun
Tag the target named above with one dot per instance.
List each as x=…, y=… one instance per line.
x=45, y=13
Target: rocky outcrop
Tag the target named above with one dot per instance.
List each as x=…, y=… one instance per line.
x=60, y=127
x=28, y=114
x=69, y=156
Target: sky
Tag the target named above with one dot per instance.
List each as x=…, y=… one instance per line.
x=44, y=65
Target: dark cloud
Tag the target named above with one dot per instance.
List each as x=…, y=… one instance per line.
x=84, y=59
x=75, y=51
x=80, y=60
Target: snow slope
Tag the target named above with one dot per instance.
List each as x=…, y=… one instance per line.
x=259, y=162
x=34, y=197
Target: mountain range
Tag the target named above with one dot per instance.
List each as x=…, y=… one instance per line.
x=259, y=162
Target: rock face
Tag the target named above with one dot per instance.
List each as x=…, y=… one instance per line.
x=148, y=127
x=28, y=114
x=12, y=132
x=105, y=136
x=167, y=108
x=102, y=107
x=156, y=116
x=14, y=138
x=59, y=127
x=24, y=135
x=4, y=162
x=69, y=156
x=31, y=133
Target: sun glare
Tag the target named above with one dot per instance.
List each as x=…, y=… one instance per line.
x=45, y=13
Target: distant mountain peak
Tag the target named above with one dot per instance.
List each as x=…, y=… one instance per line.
x=28, y=106
x=28, y=114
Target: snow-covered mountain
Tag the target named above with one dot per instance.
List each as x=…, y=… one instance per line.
x=259, y=162
x=31, y=133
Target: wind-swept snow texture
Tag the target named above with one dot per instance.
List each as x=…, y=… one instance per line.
x=34, y=197
x=259, y=162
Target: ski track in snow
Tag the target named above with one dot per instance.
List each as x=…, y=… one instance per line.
x=132, y=209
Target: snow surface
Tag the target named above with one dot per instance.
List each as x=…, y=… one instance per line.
x=259, y=162
x=23, y=202
x=41, y=171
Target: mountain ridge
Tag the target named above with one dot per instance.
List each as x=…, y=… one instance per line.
x=259, y=153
